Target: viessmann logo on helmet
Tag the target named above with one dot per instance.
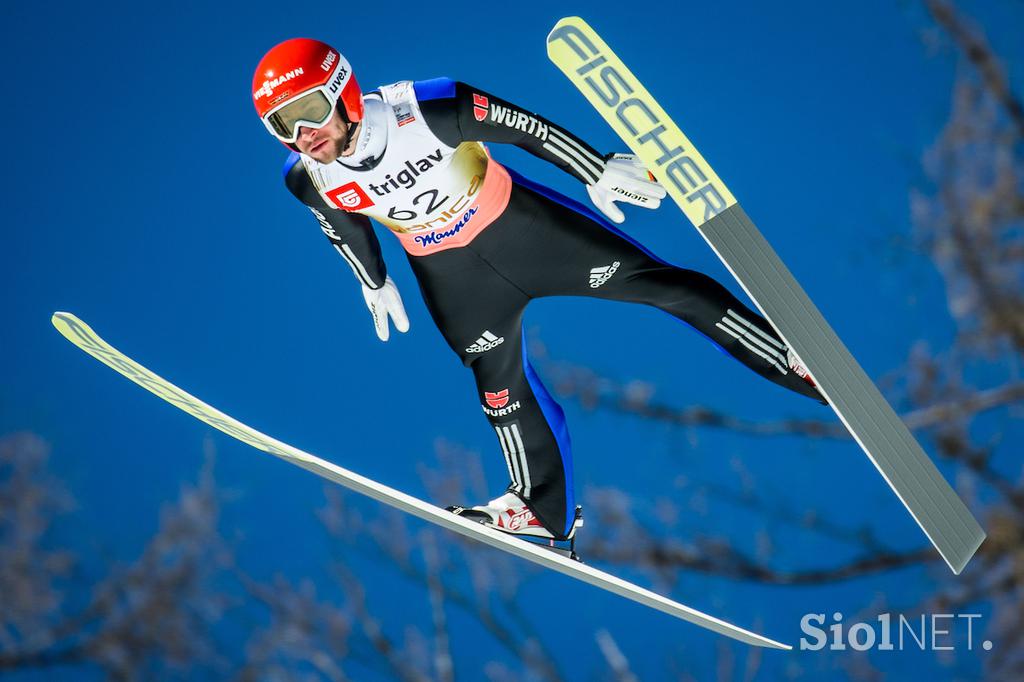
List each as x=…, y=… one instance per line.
x=267, y=89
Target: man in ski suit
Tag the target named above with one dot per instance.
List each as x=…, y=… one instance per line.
x=483, y=242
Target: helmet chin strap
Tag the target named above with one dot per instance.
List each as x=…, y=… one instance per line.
x=350, y=125
x=372, y=139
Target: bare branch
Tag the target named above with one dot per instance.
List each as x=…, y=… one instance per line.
x=614, y=657
x=977, y=50
x=601, y=392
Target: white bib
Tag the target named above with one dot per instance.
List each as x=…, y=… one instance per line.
x=419, y=184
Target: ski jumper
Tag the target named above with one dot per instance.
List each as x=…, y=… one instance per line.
x=483, y=241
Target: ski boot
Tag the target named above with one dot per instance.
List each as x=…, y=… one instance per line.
x=801, y=371
x=510, y=514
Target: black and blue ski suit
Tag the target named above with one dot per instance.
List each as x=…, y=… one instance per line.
x=483, y=241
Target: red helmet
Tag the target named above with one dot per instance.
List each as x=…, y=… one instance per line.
x=299, y=82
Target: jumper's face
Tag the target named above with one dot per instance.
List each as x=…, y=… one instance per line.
x=329, y=142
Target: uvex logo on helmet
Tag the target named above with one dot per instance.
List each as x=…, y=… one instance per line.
x=339, y=80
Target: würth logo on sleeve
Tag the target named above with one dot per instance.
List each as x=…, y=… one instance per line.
x=499, y=399
x=480, y=107
x=498, y=402
x=350, y=197
x=519, y=120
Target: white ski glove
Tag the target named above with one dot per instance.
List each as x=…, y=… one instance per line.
x=383, y=302
x=625, y=179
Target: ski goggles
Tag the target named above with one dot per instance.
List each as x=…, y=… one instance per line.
x=312, y=109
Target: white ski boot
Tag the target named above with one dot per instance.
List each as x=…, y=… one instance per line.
x=510, y=514
x=801, y=371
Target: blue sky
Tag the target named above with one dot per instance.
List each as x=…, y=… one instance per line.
x=145, y=196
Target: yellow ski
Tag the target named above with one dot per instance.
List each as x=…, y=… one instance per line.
x=80, y=334
x=643, y=125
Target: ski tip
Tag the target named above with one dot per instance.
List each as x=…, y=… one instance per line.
x=61, y=316
x=70, y=326
x=61, y=320
x=577, y=22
